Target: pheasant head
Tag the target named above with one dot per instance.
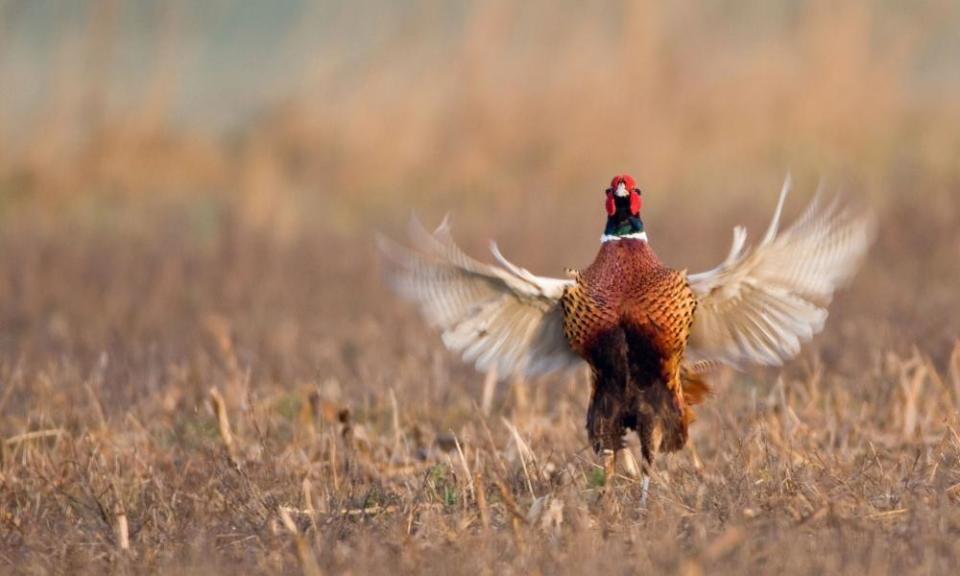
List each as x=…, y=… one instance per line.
x=623, y=204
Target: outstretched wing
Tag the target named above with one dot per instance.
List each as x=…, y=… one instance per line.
x=499, y=317
x=759, y=306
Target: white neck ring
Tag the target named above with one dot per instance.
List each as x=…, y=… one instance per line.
x=634, y=236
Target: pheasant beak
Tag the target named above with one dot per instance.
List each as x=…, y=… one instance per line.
x=621, y=190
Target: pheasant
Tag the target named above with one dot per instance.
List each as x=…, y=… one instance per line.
x=647, y=331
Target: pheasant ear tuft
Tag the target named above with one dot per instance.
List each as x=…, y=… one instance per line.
x=625, y=179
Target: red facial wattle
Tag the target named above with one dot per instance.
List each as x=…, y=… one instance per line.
x=636, y=201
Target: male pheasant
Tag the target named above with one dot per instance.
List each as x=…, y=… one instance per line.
x=646, y=330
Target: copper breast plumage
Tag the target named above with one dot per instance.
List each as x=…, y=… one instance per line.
x=627, y=283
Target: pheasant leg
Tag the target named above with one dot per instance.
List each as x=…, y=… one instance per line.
x=628, y=463
x=609, y=465
x=605, y=430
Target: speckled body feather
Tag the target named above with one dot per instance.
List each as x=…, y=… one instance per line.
x=629, y=316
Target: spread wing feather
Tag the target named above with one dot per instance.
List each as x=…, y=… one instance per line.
x=760, y=305
x=500, y=317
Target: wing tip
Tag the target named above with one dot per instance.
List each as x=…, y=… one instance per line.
x=774, y=226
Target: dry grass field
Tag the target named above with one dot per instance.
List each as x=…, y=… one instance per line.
x=202, y=370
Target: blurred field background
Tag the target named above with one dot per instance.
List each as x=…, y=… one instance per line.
x=201, y=368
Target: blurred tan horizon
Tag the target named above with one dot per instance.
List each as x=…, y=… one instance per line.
x=375, y=104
